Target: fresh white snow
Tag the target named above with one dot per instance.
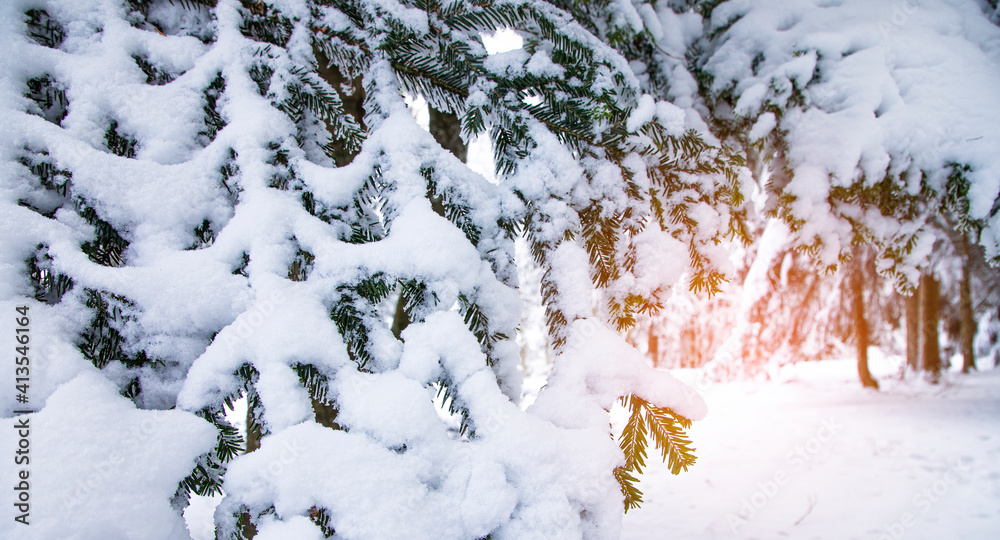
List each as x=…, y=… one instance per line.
x=99, y=467
x=866, y=90
x=812, y=455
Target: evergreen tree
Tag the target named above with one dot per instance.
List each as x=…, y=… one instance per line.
x=847, y=149
x=777, y=93
x=230, y=199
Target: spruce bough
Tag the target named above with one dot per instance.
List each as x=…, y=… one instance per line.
x=285, y=262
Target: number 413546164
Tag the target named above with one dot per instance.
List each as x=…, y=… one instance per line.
x=22, y=335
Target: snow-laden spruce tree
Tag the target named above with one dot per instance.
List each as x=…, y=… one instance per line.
x=207, y=200
x=865, y=123
x=878, y=119
x=877, y=122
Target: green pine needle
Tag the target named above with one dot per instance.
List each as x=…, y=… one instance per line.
x=666, y=429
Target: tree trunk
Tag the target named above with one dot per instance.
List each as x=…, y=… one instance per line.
x=913, y=330
x=654, y=347
x=860, y=322
x=968, y=323
x=996, y=349
x=253, y=443
x=929, y=300
x=400, y=320
x=354, y=103
x=447, y=131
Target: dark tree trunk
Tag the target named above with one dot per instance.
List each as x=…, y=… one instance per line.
x=247, y=526
x=352, y=94
x=253, y=433
x=929, y=300
x=654, y=348
x=253, y=443
x=447, y=131
x=860, y=321
x=913, y=330
x=400, y=320
x=996, y=350
x=968, y=323
x=326, y=415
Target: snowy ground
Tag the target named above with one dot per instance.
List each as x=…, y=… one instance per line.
x=817, y=456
